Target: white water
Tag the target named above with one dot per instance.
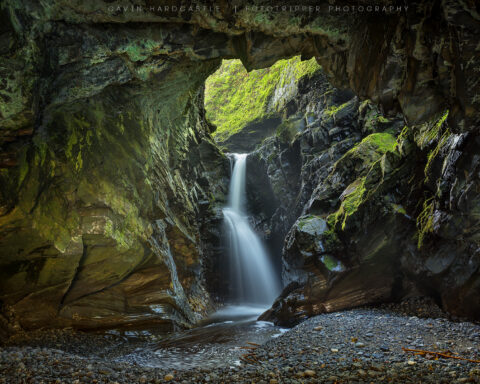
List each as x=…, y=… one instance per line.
x=251, y=274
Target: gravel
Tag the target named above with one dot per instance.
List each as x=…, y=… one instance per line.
x=356, y=346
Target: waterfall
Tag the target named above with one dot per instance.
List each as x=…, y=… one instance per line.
x=251, y=274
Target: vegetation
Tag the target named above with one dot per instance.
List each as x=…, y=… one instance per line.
x=430, y=131
x=425, y=220
x=235, y=97
x=349, y=205
x=334, y=109
x=369, y=151
x=384, y=141
x=441, y=142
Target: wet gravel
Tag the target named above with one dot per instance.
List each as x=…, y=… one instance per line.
x=356, y=346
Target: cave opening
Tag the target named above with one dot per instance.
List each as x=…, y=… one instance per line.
x=246, y=109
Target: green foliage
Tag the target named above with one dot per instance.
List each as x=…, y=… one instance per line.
x=425, y=220
x=350, y=204
x=332, y=264
x=431, y=130
x=384, y=141
x=437, y=128
x=369, y=149
x=334, y=109
x=235, y=97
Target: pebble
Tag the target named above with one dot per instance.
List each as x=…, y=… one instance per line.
x=302, y=354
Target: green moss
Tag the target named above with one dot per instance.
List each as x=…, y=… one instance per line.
x=80, y=135
x=141, y=50
x=370, y=149
x=425, y=221
x=354, y=198
x=332, y=263
x=334, y=109
x=431, y=131
x=235, y=97
x=384, y=141
x=350, y=203
x=433, y=153
x=330, y=237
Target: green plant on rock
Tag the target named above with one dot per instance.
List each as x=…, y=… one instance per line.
x=431, y=130
x=370, y=148
x=330, y=237
x=334, y=109
x=425, y=221
x=384, y=141
x=235, y=97
x=349, y=205
x=434, y=153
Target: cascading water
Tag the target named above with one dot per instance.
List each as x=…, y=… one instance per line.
x=251, y=274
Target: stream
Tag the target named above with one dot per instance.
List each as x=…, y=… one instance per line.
x=218, y=342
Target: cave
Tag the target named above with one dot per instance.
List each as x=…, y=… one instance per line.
x=362, y=169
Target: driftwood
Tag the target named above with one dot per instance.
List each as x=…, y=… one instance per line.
x=439, y=354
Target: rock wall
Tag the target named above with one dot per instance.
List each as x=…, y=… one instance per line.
x=110, y=195
x=110, y=182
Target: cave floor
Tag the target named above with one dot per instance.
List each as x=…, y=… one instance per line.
x=356, y=346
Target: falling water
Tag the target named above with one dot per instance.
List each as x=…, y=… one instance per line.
x=252, y=276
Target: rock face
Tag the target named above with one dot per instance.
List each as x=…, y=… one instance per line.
x=371, y=229
x=110, y=197
x=110, y=183
x=319, y=175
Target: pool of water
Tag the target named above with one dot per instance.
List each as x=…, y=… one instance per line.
x=220, y=341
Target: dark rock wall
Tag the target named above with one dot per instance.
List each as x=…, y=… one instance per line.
x=111, y=196
x=110, y=184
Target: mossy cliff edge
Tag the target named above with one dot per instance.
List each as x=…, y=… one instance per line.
x=111, y=182
x=246, y=106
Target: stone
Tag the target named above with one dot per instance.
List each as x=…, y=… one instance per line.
x=309, y=373
x=102, y=211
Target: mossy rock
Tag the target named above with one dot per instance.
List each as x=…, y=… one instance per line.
x=234, y=98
